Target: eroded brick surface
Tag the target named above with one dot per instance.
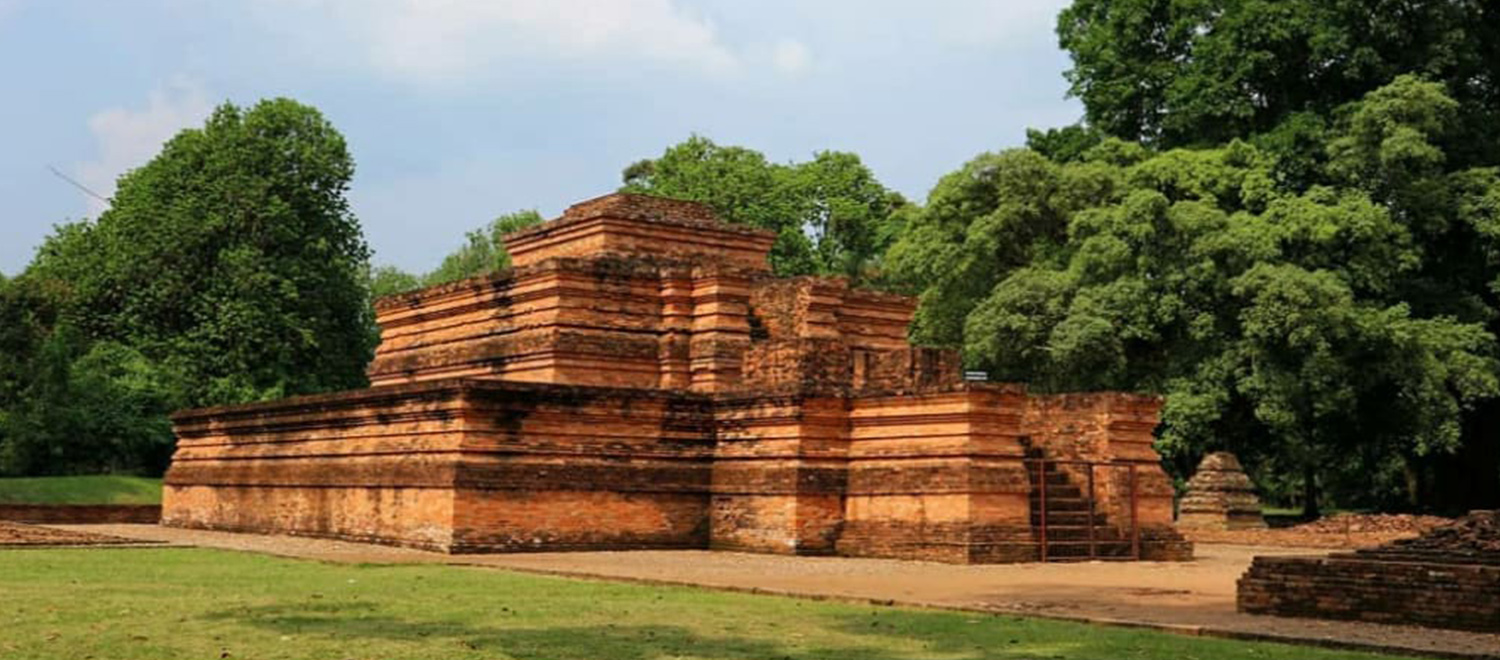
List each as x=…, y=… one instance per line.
x=640, y=380
x=1449, y=577
x=1220, y=496
x=80, y=514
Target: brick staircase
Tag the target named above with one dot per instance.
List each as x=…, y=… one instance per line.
x=1068, y=510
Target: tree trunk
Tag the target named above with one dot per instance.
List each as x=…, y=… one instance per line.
x=1310, y=509
x=1415, y=488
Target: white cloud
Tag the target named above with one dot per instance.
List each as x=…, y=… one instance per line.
x=128, y=137
x=445, y=40
x=791, y=56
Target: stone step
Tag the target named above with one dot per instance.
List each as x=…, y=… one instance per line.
x=1063, y=518
x=1061, y=492
x=1053, y=478
x=1060, y=504
x=1079, y=550
x=1062, y=533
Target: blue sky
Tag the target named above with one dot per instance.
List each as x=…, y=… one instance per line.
x=459, y=110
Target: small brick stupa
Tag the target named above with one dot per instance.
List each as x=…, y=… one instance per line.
x=640, y=379
x=1220, y=496
x=1448, y=577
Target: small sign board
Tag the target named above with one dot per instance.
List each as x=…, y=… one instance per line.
x=979, y=376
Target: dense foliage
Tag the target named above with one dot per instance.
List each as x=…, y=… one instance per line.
x=1281, y=324
x=231, y=258
x=1176, y=73
x=483, y=251
x=228, y=269
x=1280, y=214
x=1398, y=101
x=831, y=215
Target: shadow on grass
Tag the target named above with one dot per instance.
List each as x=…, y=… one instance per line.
x=625, y=642
x=875, y=634
x=995, y=636
x=637, y=642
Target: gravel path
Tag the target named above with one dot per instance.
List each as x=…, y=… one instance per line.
x=1190, y=598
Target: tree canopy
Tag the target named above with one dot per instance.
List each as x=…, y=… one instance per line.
x=231, y=257
x=1397, y=101
x=1324, y=329
x=831, y=215
x=1207, y=71
x=227, y=269
x=483, y=251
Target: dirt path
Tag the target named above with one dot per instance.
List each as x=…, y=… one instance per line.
x=1190, y=598
x=18, y=535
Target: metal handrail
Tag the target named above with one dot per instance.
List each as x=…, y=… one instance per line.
x=1041, y=470
x=1135, y=528
x=1093, y=549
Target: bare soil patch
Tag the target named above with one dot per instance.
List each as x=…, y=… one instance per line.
x=19, y=535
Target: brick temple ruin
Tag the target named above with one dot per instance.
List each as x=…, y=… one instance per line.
x=1220, y=496
x=639, y=379
x=1449, y=577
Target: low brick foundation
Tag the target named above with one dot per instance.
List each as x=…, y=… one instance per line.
x=1449, y=577
x=460, y=466
x=1350, y=587
x=81, y=514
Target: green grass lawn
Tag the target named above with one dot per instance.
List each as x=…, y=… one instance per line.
x=100, y=489
x=190, y=603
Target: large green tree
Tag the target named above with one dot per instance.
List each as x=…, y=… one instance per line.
x=231, y=259
x=1396, y=99
x=1320, y=331
x=26, y=318
x=1184, y=72
x=831, y=214
x=69, y=405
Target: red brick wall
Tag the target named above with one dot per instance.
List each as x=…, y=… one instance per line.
x=1408, y=592
x=720, y=329
x=495, y=465
x=570, y=321
x=415, y=517
x=430, y=465
x=372, y=465
x=555, y=519
x=548, y=467
x=639, y=224
x=576, y=311
x=778, y=474
x=811, y=365
x=938, y=476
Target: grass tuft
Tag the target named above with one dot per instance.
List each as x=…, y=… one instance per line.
x=97, y=489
